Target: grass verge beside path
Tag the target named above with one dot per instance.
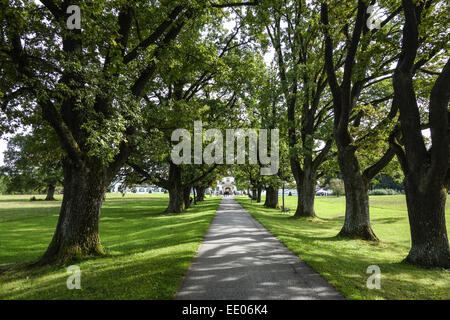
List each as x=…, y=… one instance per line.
x=344, y=262
x=148, y=252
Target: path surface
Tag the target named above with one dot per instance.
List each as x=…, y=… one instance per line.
x=240, y=259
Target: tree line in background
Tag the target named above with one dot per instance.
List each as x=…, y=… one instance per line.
x=98, y=105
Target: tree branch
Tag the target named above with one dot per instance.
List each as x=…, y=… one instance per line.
x=439, y=126
x=235, y=4
x=153, y=38
x=145, y=76
x=57, y=12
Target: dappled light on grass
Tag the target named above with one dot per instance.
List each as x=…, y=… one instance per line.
x=344, y=262
x=148, y=252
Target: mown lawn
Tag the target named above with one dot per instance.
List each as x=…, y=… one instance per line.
x=148, y=252
x=344, y=262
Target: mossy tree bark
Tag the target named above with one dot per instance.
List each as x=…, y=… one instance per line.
x=200, y=193
x=176, y=200
x=357, y=216
x=258, y=195
x=271, y=197
x=306, y=190
x=187, y=196
x=426, y=212
x=50, y=192
x=76, y=234
x=175, y=187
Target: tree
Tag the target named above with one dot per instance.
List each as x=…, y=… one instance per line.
x=203, y=81
x=294, y=32
x=247, y=176
x=33, y=162
x=88, y=84
x=384, y=181
x=427, y=175
x=358, y=56
x=265, y=111
x=272, y=187
x=207, y=182
x=285, y=174
x=179, y=180
x=76, y=85
x=2, y=183
x=337, y=185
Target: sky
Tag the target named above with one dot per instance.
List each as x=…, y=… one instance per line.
x=2, y=149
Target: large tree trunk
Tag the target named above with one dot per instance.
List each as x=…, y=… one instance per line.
x=306, y=196
x=426, y=211
x=254, y=194
x=299, y=188
x=357, y=218
x=305, y=184
x=271, y=197
x=176, y=190
x=50, y=192
x=176, y=200
x=76, y=234
x=200, y=194
x=258, y=197
x=194, y=192
x=187, y=196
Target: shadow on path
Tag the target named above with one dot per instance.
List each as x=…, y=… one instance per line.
x=240, y=259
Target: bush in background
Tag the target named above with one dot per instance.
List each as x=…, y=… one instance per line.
x=337, y=185
x=383, y=192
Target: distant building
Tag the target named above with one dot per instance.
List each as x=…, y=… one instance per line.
x=226, y=185
x=323, y=192
x=139, y=189
x=287, y=192
x=293, y=192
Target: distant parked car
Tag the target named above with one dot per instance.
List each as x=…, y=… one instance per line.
x=323, y=192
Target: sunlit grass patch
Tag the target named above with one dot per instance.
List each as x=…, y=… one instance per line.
x=344, y=262
x=148, y=252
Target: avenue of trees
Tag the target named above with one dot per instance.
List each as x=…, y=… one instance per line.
x=351, y=99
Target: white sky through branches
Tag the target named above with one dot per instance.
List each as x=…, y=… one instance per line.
x=3, y=144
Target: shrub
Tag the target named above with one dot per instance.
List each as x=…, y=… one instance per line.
x=337, y=185
x=383, y=192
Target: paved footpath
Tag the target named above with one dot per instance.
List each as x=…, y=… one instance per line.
x=240, y=259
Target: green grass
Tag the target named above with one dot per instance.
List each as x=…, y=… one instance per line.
x=148, y=252
x=344, y=262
